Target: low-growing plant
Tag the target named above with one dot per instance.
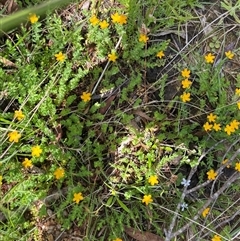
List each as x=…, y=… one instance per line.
x=88, y=138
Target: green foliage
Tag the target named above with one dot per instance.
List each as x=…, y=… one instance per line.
x=109, y=147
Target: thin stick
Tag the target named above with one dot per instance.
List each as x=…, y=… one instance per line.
x=102, y=74
x=193, y=170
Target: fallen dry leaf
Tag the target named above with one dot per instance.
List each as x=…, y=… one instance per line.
x=142, y=236
x=108, y=102
x=7, y=62
x=143, y=115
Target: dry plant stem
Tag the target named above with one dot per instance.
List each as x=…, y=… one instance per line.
x=102, y=74
x=193, y=170
x=169, y=236
x=219, y=170
x=165, y=69
x=232, y=179
x=222, y=223
x=217, y=218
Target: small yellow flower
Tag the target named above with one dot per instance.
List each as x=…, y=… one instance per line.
x=209, y=58
x=237, y=91
x=104, y=24
x=33, y=18
x=117, y=239
x=94, y=20
x=77, y=197
x=115, y=18
x=122, y=19
x=59, y=173
x=205, y=212
x=119, y=18
x=86, y=96
x=238, y=105
x=153, y=180
x=186, y=83
x=211, y=117
x=237, y=166
x=27, y=163
x=216, y=238
x=224, y=162
x=112, y=57
x=143, y=38
x=229, y=129
x=60, y=57
x=217, y=127
x=160, y=54
x=14, y=136
x=147, y=199
x=36, y=151
x=18, y=115
x=1, y=178
x=185, y=97
x=207, y=126
x=211, y=174
x=229, y=54
x=186, y=73
x=234, y=124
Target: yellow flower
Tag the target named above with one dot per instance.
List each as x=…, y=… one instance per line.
x=209, y=58
x=237, y=91
x=216, y=238
x=18, y=115
x=1, y=180
x=14, y=136
x=33, y=18
x=185, y=97
x=94, y=20
x=36, y=151
x=147, y=199
x=186, y=73
x=211, y=174
x=153, y=180
x=229, y=129
x=237, y=166
x=211, y=117
x=77, y=197
x=205, y=212
x=186, y=83
x=224, y=162
x=160, y=54
x=229, y=54
x=115, y=18
x=104, y=24
x=122, y=19
x=117, y=239
x=217, y=127
x=143, y=38
x=59, y=173
x=119, y=18
x=27, y=163
x=238, y=104
x=207, y=126
x=234, y=124
x=112, y=57
x=60, y=57
x=86, y=96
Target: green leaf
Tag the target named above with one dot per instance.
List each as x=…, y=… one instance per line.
x=123, y=206
x=111, y=201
